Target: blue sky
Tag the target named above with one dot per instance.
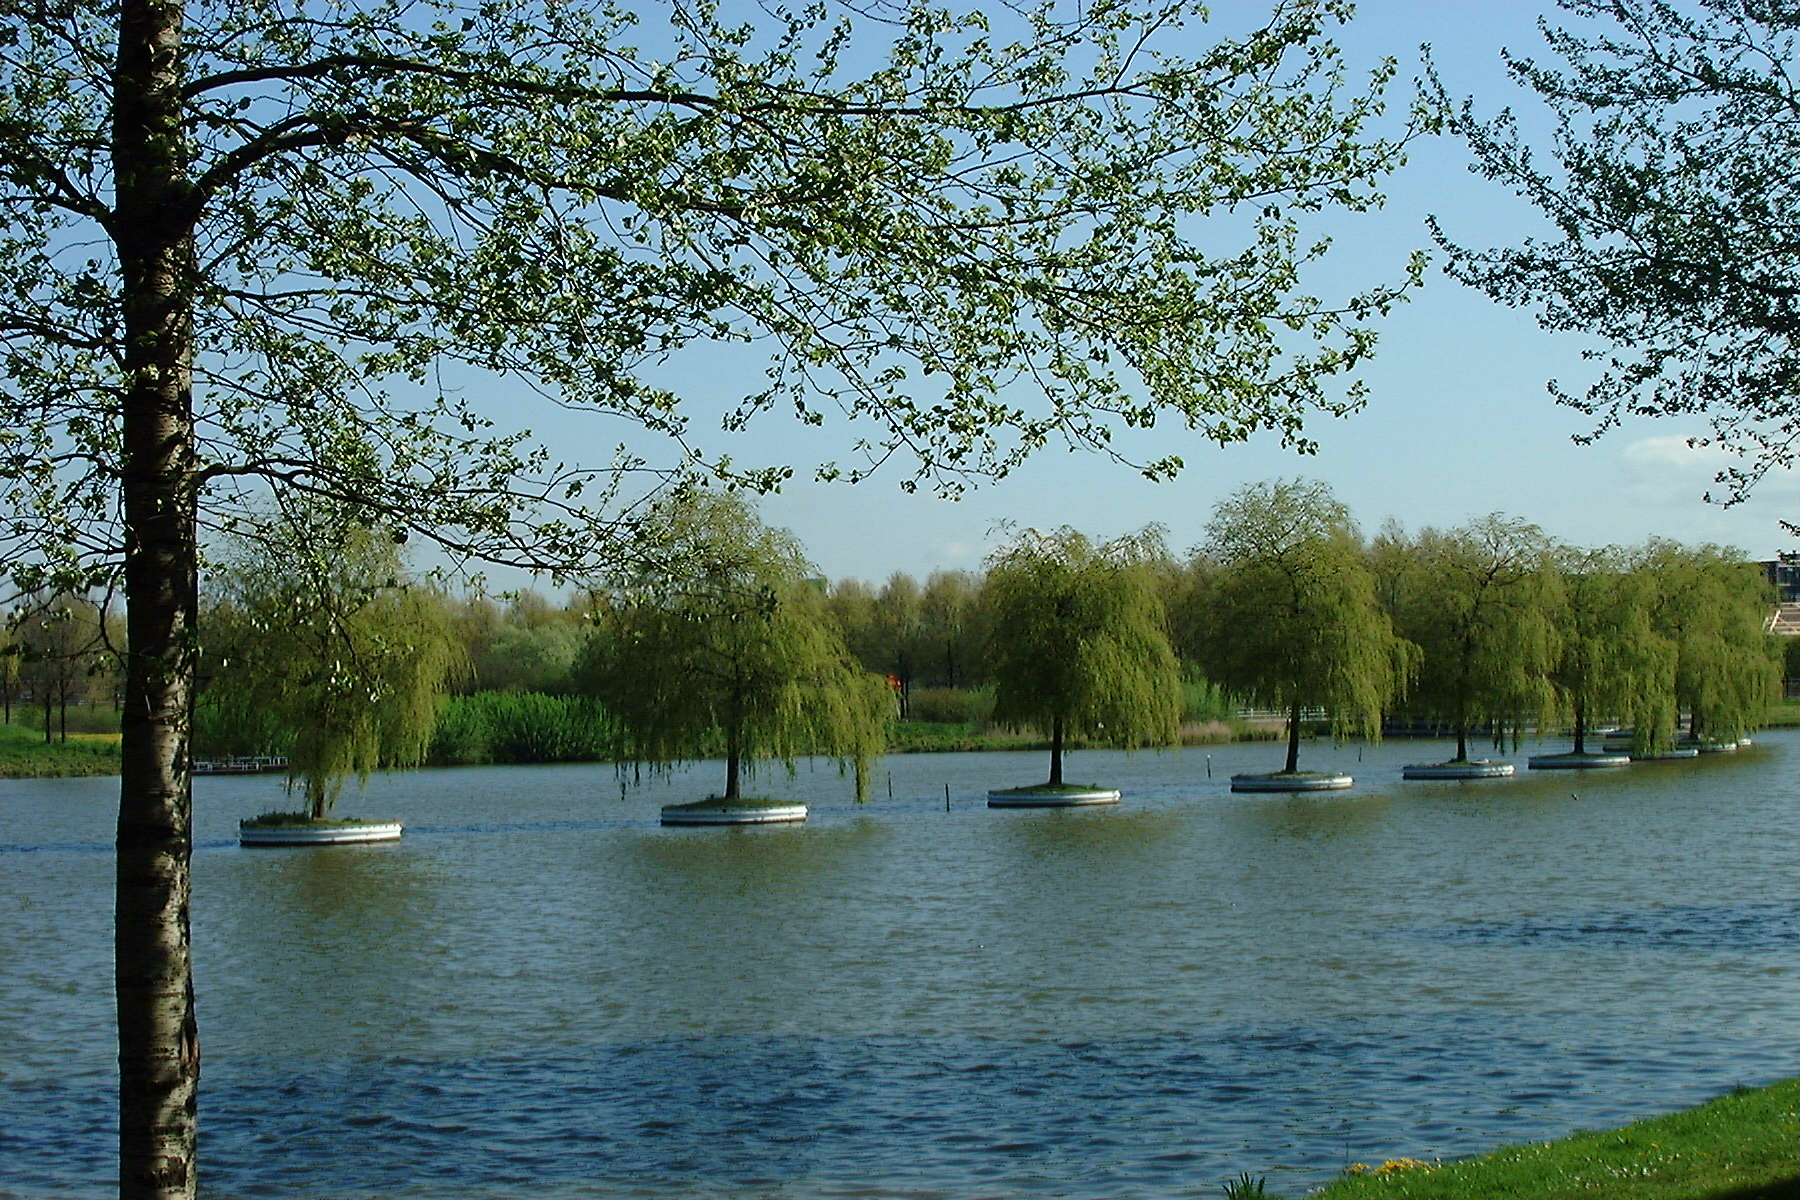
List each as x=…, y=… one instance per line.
x=1459, y=422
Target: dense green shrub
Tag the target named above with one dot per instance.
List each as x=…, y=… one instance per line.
x=225, y=731
x=522, y=727
x=1203, y=700
x=951, y=705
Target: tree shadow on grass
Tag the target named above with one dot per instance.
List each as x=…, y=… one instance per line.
x=1786, y=1189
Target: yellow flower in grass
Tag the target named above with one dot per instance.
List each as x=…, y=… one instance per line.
x=1394, y=1166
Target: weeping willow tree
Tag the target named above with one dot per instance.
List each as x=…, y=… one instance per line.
x=734, y=654
x=1295, y=621
x=1479, y=602
x=1614, y=664
x=319, y=644
x=1078, y=644
x=1713, y=608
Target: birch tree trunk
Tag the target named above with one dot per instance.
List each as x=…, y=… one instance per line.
x=159, y=1060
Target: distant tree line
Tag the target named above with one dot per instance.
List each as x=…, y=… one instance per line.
x=1478, y=631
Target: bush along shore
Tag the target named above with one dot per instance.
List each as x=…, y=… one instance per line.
x=1740, y=1146
x=479, y=730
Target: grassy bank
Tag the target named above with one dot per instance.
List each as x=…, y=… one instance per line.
x=1741, y=1146
x=25, y=755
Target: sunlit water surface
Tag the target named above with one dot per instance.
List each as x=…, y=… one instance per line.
x=541, y=993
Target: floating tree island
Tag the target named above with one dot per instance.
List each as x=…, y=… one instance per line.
x=1052, y=795
x=1572, y=761
x=1459, y=768
x=743, y=810
x=1292, y=781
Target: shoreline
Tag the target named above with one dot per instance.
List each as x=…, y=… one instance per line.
x=95, y=755
x=1738, y=1146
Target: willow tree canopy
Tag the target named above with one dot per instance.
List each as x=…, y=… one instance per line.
x=1078, y=641
x=1295, y=620
x=734, y=653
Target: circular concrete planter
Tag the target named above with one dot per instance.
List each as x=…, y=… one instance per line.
x=1711, y=747
x=336, y=833
x=1479, y=768
x=1045, y=798
x=718, y=812
x=1577, y=762
x=1666, y=755
x=1300, y=781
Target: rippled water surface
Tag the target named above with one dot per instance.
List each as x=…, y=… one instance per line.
x=540, y=992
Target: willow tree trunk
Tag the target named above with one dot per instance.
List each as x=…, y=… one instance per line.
x=159, y=1059
x=734, y=745
x=1056, y=752
x=1293, y=746
x=734, y=772
x=1463, y=685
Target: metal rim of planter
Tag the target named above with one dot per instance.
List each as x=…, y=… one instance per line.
x=1468, y=770
x=1577, y=762
x=1022, y=798
x=1291, y=783
x=323, y=835
x=675, y=814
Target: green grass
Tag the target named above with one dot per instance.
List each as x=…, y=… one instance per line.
x=25, y=755
x=1741, y=1146
x=80, y=718
x=1785, y=715
x=750, y=802
x=288, y=820
x=939, y=737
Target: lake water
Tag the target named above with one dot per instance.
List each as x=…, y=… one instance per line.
x=541, y=993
